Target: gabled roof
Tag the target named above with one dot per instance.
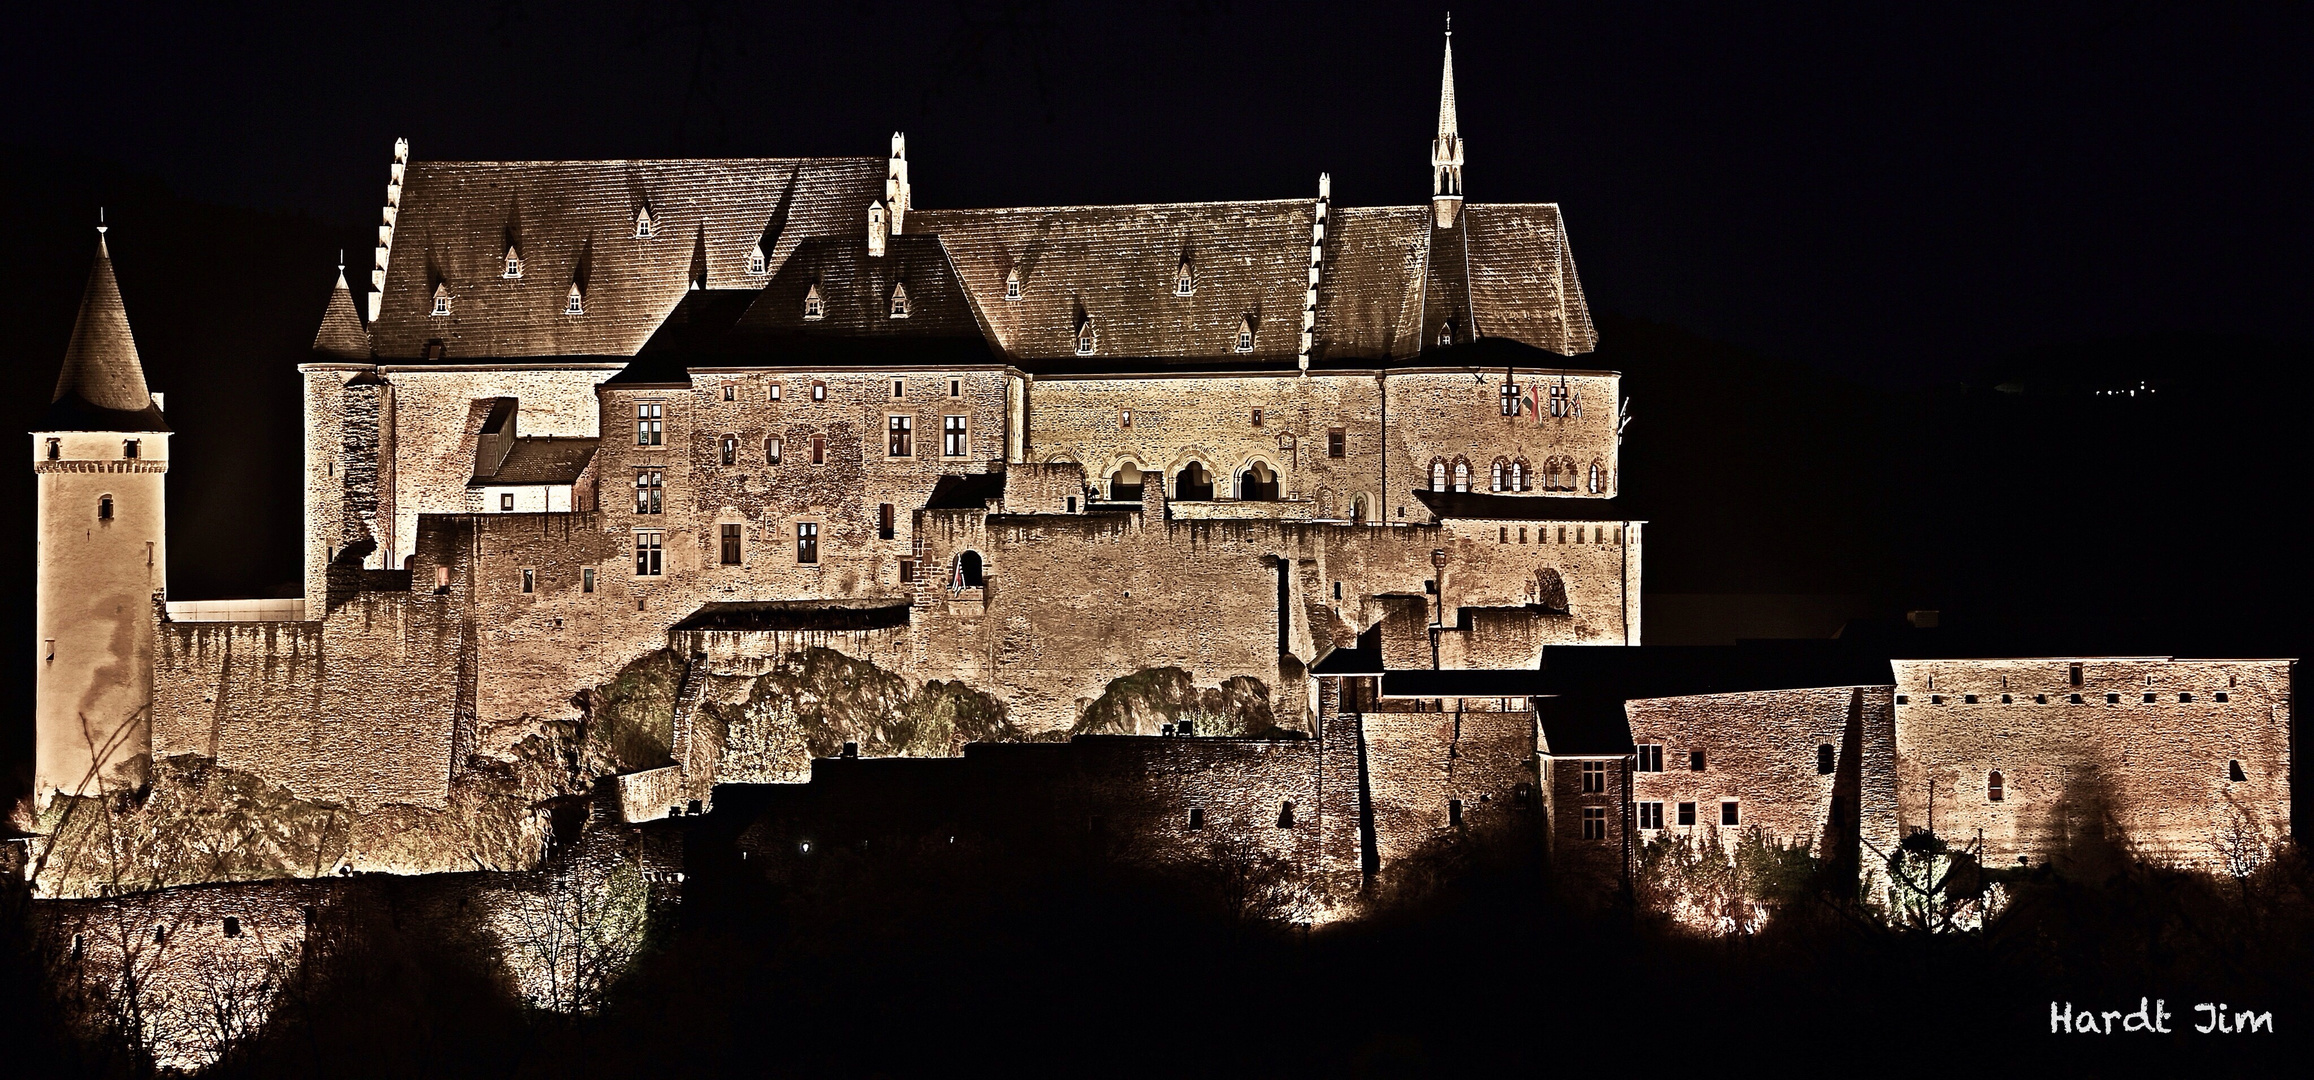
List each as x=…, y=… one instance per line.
x=855, y=295
x=575, y=221
x=102, y=385
x=1118, y=265
x=341, y=336
x=537, y=459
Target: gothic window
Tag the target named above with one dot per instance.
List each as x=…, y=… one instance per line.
x=1510, y=399
x=1994, y=788
x=1551, y=474
x=730, y=544
x=1012, y=284
x=650, y=552
x=1824, y=759
x=1193, y=483
x=1495, y=475
x=513, y=262
x=104, y=508
x=1519, y=474
x=1125, y=484
x=899, y=301
x=1184, y=282
x=771, y=451
x=1087, y=337
x=650, y=418
x=1258, y=484
x=755, y=261
x=441, y=298
x=969, y=573
x=650, y=491
x=807, y=542
x=1598, y=478
x=952, y=441
x=901, y=433
x=1437, y=474
x=1461, y=475
x=731, y=449
x=1245, y=335
x=576, y=304
x=813, y=306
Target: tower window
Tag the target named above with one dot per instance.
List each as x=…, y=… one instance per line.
x=104, y=508
x=730, y=538
x=807, y=542
x=730, y=392
x=1257, y=418
x=1995, y=789
x=129, y=447
x=819, y=390
x=819, y=449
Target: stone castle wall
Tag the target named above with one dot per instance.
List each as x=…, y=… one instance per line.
x=1793, y=761
x=2137, y=755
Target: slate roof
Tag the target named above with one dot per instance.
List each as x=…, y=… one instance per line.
x=969, y=491
x=798, y=615
x=341, y=336
x=1583, y=726
x=575, y=221
x=542, y=459
x=102, y=384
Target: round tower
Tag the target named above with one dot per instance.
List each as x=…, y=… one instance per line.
x=100, y=457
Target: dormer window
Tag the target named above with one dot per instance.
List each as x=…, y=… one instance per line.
x=813, y=306
x=1087, y=338
x=577, y=304
x=755, y=262
x=1184, y=282
x=513, y=262
x=1012, y=284
x=645, y=228
x=1245, y=335
x=899, y=306
x=441, y=298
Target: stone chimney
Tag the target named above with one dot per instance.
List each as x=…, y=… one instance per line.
x=896, y=196
x=876, y=230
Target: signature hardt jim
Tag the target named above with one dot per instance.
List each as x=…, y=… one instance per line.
x=2154, y=1017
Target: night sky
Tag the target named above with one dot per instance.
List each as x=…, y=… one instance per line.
x=1895, y=192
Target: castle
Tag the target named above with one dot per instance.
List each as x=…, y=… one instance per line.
x=638, y=479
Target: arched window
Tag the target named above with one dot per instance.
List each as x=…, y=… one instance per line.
x=1286, y=814
x=1519, y=474
x=1993, y=786
x=1258, y=484
x=104, y=508
x=1358, y=509
x=1193, y=483
x=969, y=574
x=1012, y=284
x=899, y=301
x=814, y=307
x=1495, y=476
x=1823, y=759
x=731, y=449
x=1437, y=474
x=1125, y=483
x=1461, y=475
x=1446, y=333
x=576, y=304
x=1551, y=474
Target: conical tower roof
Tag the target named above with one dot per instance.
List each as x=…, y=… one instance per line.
x=102, y=386
x=341, y=336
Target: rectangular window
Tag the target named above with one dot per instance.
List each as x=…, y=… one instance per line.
x=952, y=442
x=649, y=553
x=1336, y=443
x=530, y=581
x=587, y=579
x=1124, y=418
x=1196, y=819
x=899, y=388
x=774, y=392
x=1650, y=815
x=1454, y=811
x=650, y=418
x=1594, y=823
x=1687, y=813
x=730, y=545
x=1510, y=399
x=819, y=390
x=1728, y=814
x=730, y=392
x=1257, y=418
x=807, y=542
x=884, y=521
x=1594, y=778
x=1650, y=758
x=902, y=430
x=505, y=500
x=955, y=388
x=650, y=489
x=819, y=449
x=1695, y=761
x=771, y=451
x=129, y=447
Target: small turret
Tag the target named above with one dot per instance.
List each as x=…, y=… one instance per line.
x=1446, y=149
x=341, y=337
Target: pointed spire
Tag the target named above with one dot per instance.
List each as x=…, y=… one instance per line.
x=341, y=336
x=1446, y=149
x=1446, y=87
x=102, y=386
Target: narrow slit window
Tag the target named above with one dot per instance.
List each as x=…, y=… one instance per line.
x=530, y=581
x=1824, y=759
